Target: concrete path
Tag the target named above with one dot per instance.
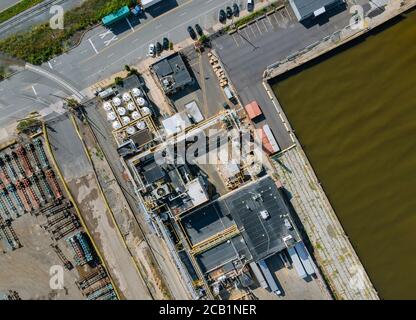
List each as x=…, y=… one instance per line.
x=333, y=250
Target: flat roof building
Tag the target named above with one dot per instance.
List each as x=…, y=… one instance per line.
x=261, y=215
x=172, y=73
x=307, y=9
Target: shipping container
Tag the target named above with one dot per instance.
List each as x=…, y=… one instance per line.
x=296, y=262
x=253, y=110
x=305, y=258
x=113, y=17
x=269, y=278
x=258, y=275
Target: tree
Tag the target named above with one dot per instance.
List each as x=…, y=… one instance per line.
x=118, y=81
x=127, y=68
x=133, y=71
x=72, y=103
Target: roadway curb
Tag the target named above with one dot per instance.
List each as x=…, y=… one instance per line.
x=71, y=198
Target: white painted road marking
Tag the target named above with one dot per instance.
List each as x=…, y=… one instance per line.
x=103, y=35
x=50, y=65
x=107, y=42
x=93, y=46
x=131, y=27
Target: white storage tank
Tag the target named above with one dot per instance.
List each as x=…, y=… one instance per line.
x=131, y=130
x=145, y=111
x=116, y=101
x=141, y=102
x=126, y=120
x=121, y=111
x=141, y=125
x=126, y=97
x=135, y=115
x=107, y=106
x=111, y=116
x=116, y=125
x=137, y=92
x=131, y=106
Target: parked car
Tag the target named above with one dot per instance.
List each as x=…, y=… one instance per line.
x=236, y=9
x=165, y=43
x=151, y=52
x=222, y=16
x=158, y=48
x=229, y=12
x=199, y=29
x=192, y=33
x=250, y=5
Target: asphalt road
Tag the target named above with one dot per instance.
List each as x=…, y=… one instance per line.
x=103, y=52
x=246, y=55
x=33, y=16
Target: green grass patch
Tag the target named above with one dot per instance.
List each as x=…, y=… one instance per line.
x=17, y=8
x=41, y=43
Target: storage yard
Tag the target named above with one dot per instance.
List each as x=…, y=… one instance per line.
x=40, y=229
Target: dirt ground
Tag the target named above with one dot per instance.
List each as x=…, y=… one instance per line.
x=125, y=219
x=26, y=270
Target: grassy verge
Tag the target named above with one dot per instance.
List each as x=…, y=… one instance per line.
x=17, y=8
x=2, y=73
x=42, y=43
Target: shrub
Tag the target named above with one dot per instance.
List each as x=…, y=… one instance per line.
x=41, y=43
x=118, y=81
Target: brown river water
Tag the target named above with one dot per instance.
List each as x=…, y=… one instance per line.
x=354, y=111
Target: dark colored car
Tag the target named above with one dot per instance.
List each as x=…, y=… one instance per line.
x=199, y=29
x=250, y=5
x=192, y=33
x=229, y=12
x=165, y=43
x=158, y=48
x=236, y=9
x=222, y=16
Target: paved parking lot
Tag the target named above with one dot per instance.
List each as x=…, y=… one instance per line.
x=291, y=285
x=206, y=91
x=247, y=53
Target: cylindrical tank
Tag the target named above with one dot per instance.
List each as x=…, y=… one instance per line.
x=126, y=120
x=116, y=125
x=131, y=130
x=131, y=106
x=137, y=92
x=141, y=125
x=107, y=106
x=116, y=101
x=121, y=111
x=111, y=116
x=145, y=111
x=141, y=102
x=135, y=115
x=126, y=97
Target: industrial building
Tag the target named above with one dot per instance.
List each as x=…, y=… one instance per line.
x=249, y=224
x=309, y=9
x=172, y=73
